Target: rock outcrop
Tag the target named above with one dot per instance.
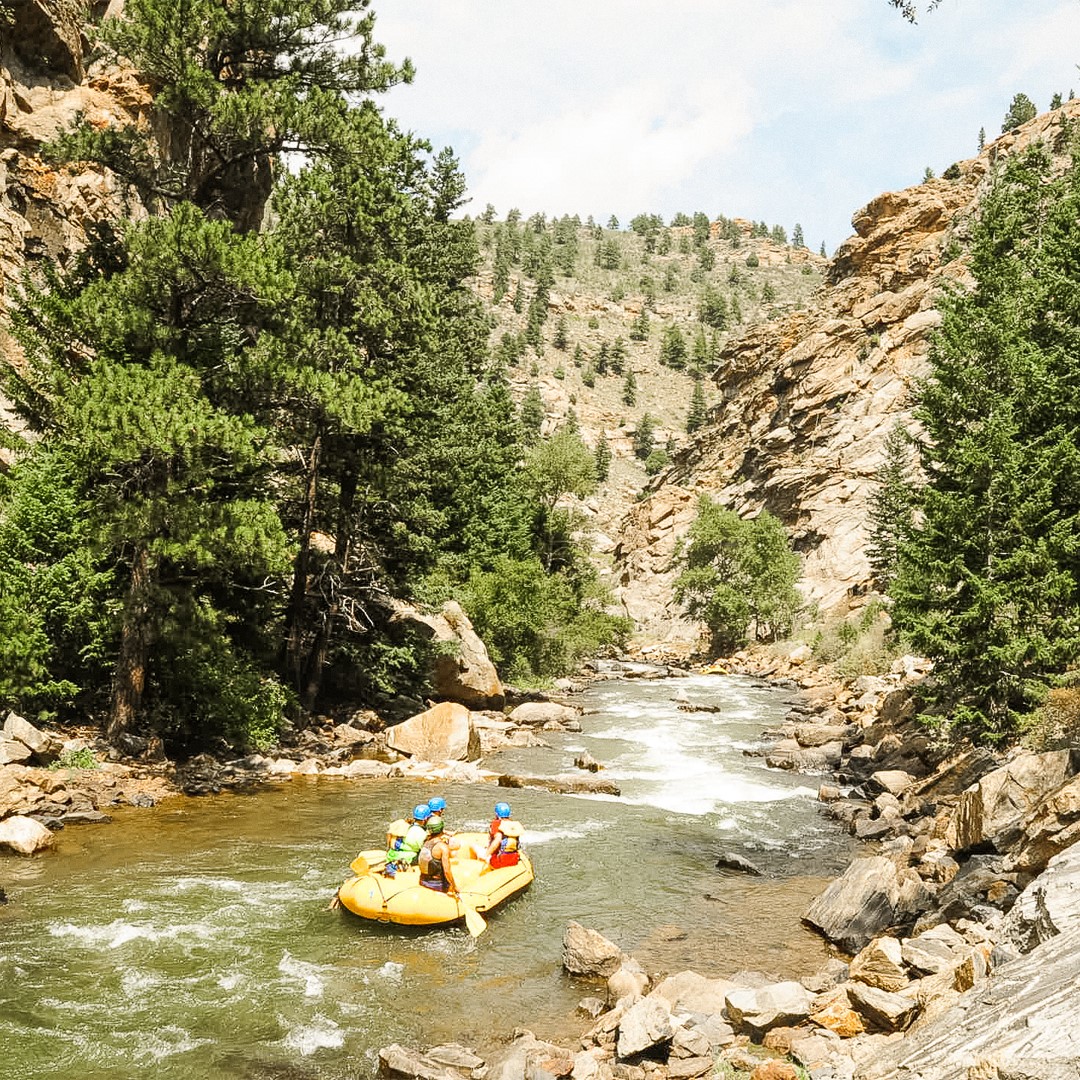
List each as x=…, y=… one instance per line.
x=809, y=399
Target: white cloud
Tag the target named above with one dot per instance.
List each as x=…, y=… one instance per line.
x=801, y=107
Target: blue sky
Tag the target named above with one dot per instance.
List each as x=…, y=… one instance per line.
x=782, y=110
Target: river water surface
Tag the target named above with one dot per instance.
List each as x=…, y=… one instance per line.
x=193, y=941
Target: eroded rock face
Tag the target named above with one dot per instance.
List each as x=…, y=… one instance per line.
x=858, y=905
x=809, y=398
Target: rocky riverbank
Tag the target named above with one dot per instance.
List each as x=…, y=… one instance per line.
x=955, y=933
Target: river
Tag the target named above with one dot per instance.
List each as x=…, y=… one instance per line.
x=192, y=940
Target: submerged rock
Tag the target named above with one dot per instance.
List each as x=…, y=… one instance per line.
x=588, y=952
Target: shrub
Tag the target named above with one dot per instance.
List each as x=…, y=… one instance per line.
x=83, y=758
x=656, y=461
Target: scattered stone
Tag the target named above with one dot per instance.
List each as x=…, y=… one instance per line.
x=684, y=1068
x=835, y=1014
x=644, y=1025
x=927, y=955
x=880, y=964
x=729, y=860
x=883, y=1010
x=539, y=713
x=528, y=1056
x=563, y=785
x=689, y=992
x=990, y=810
x=776, y=1070
x=24, y=836
x=588, y=952
x=755, y=1011
x=86, y=817
x=1049, y=905
x=592, y=1007
x=629, y=980
x=587, y=762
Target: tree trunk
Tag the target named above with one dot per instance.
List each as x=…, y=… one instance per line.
x=298, y=598
x=129, y=679
x=320, y=651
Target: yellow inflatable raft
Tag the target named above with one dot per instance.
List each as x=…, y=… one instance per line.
x=402, y=899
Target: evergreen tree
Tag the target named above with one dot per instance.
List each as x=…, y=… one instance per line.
x=617, y=356
x=673, y=351
x=892, y=506
x=639, y=328
x=712, y=308
x=629, y=390
x=644, y=437
x=797, y=236
x=1021, y=110
x=987, y=583
x=1055, y=102
x=822, y=251
x=602, y=459
x=698, y=408
x=561, y=338
x=982, y=138
x=532, y=413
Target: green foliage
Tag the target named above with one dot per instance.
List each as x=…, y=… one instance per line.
x=537, y=625
x=713, y=309
x=82, y=758
x=797, y=239
x=639, y=328
x=988, y=581
x=673, y=350
x=656, y=461
x=735, y=574
x=698, y=408
x=644, y=437
x=892, y=507
x=1021, y=110
x=531, y=414
x=629, y=390
x=602, y=459
x=752, y=261
x=952, y=172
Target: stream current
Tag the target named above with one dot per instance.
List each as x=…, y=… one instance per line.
x=193, y=941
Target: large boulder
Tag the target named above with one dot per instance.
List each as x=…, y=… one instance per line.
x=17, y=729
x=859, y=904
x=463, y=671
x=24, y=836
x=990, y=812
x=880, y=964
x=1053, y=827
x=881, y=1008
x=647, y=1023
x=588, y=952
x=442, y=733
x=780, y=1004
x=689, y=992
x=541, y=713
x=1049, y=905
x=1020, y=1024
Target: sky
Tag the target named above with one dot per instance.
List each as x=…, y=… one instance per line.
x=778, y=110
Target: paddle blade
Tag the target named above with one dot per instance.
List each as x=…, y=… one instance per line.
x=360, y=866
x=474, y=921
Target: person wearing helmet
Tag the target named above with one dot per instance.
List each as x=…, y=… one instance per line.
x=434, y=859
x=438, y=806
x=403, y=847
x=505, y=834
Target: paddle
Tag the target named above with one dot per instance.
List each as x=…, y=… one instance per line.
x=360, y=866
x=474, y=921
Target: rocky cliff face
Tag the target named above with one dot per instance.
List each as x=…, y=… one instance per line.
x=807, y=400
x=46, y=78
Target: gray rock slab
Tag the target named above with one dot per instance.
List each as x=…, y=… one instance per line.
x=1020, y=1024
x=1049, y=905
x=644, y=1025
x=858, y=905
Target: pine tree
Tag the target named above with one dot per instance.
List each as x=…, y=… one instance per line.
x=673, y=351
x=989, y=581
x=532, y=413
x=629, y=390
x=1021, y=110
x=892, y=507
x=639, y=328
x=602, y=459
x=644, y=437
x=698, y=408
x=797, y=236
x=982, y=138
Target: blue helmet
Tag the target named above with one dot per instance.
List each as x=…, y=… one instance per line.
x=438, y=804
x=502, y=809
x=421, y=812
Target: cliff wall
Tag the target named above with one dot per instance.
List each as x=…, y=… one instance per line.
x=808, y=399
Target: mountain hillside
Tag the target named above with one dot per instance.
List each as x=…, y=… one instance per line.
x=707, y=280
x=806, y=400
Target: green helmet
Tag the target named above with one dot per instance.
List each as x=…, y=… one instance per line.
x=434, y=824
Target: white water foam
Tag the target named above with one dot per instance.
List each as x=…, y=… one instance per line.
x=546, y=836
x=391, y=971
x=307, y=973
x=321, y=1034
x=120, y=932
